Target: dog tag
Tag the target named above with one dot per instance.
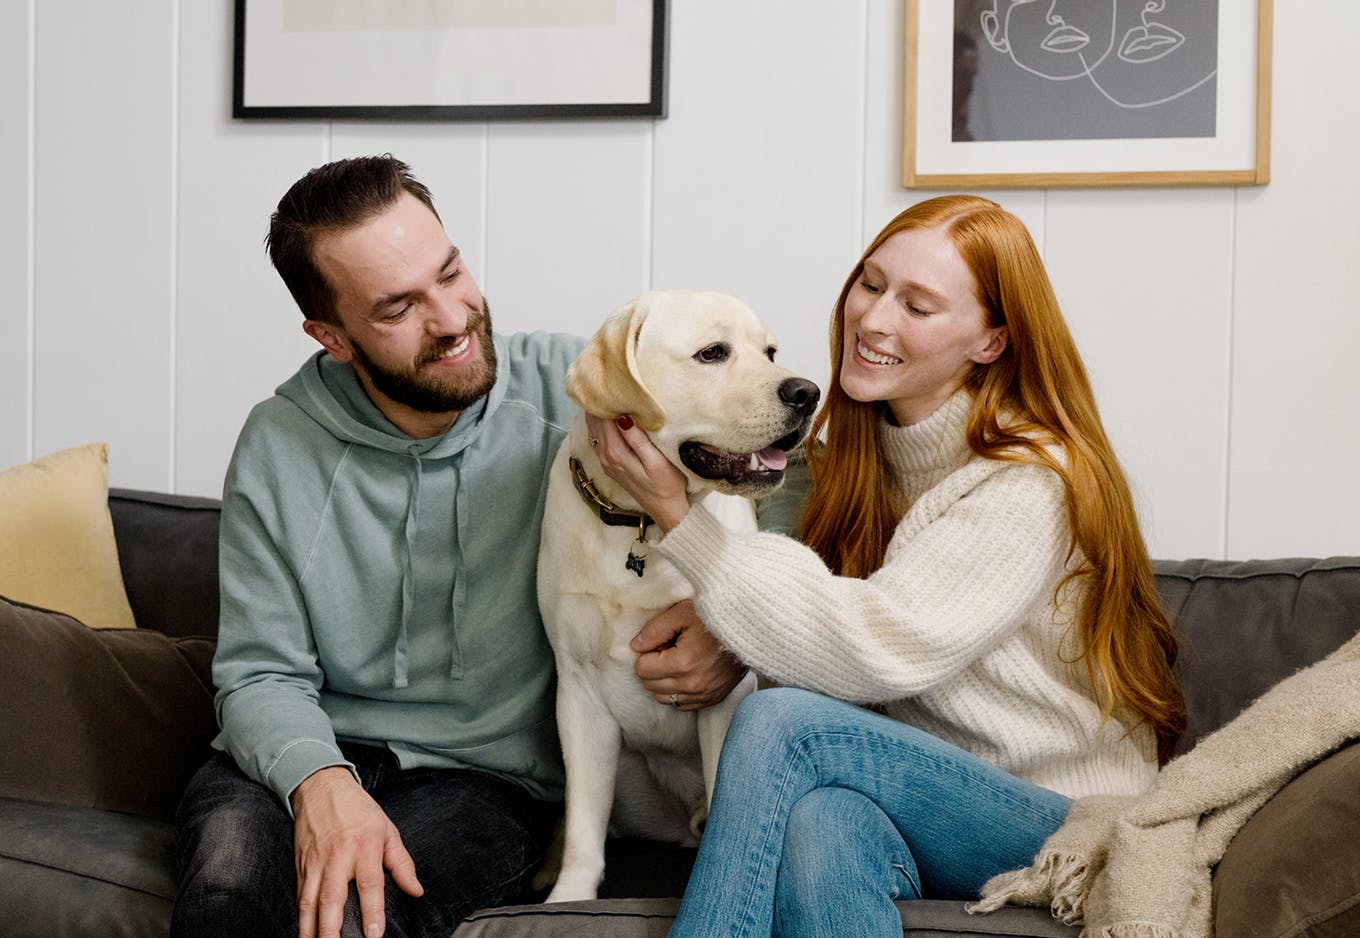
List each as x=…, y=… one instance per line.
x=637, y=562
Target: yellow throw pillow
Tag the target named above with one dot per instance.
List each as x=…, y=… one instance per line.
x=56, y=537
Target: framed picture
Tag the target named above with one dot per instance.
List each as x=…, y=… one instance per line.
x=449, y=59
x=1047, y=93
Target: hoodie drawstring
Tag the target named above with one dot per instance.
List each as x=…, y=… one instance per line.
x=400, y=676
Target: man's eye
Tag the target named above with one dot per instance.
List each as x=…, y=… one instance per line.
x=712, y=354
x=397, y=315
x=451, y=276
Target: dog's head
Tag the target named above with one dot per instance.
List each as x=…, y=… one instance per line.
x=696, y=371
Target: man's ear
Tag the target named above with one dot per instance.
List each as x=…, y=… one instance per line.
x=604, y=379
x=996, y=344
x=332, y=338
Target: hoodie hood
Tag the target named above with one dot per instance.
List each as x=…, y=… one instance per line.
x=330, y=393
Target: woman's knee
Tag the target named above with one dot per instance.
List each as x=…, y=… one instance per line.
x=779, y=722
x=820, y=828
x=777, y=713
x=832, y=831
x=839, y=846
x=765, y=727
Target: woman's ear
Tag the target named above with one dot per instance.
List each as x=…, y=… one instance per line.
x=996, y=344
x=332, y=338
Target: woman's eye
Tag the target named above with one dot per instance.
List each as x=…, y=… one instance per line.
x=869, y=287
x=712, y=354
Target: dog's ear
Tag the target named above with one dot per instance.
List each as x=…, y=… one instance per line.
x=604, y=379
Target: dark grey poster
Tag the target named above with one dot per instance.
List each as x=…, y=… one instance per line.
x=1084, y=69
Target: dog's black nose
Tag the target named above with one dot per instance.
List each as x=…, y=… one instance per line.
x=800, y=394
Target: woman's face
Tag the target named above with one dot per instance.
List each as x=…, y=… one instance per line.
x=914, y=328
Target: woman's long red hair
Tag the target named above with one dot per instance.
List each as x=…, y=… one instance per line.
x=1036, y=393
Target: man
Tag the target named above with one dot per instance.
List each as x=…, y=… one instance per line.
x=385, y=689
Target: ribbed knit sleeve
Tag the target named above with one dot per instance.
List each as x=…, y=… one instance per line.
x=978, y=555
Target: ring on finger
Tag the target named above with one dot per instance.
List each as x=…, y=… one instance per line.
x=594, y=442
x=675, y=701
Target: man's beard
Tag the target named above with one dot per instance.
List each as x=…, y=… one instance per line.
x=412, y=388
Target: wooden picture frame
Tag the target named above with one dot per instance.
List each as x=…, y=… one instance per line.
x=1103, y=116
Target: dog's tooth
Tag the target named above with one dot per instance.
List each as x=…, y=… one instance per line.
x=755, y=463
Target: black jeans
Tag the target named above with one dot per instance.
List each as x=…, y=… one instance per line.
x=476, y=841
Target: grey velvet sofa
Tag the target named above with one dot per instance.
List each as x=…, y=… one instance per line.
x=100, y=730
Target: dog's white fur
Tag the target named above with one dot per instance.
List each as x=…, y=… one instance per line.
x=647, y=361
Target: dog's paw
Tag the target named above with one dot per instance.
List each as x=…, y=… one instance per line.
x=572, y=888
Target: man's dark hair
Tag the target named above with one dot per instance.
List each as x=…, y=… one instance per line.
x=332, y=197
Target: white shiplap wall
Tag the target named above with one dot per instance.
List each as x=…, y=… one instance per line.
x=1218, y=323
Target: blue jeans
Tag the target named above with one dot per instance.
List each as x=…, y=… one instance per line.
x=476, y=840
x=824, y=813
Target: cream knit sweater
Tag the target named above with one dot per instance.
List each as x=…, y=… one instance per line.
x=957, y=633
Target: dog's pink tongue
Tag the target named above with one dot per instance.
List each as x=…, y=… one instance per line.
x=773, y=458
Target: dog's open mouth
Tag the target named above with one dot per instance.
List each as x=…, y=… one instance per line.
x=761, y=469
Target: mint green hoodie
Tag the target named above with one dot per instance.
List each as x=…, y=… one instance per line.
x=380, y=589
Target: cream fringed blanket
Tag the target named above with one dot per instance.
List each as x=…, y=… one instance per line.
x=1140, y=866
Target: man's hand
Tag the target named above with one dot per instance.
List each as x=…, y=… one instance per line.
x=680, y=662
x=340, y=834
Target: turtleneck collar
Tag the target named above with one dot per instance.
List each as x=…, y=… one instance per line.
x=924, y=453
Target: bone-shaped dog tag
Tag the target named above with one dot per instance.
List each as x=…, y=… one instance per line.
x=637, y=562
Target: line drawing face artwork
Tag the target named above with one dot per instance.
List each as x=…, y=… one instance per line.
x=1084, y=69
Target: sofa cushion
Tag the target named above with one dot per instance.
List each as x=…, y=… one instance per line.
x=104, y=718
x=56, y=538
x=651, y=918
x=1246, y=625
x=167, y=547
x=1294, y=868
x=77, y=871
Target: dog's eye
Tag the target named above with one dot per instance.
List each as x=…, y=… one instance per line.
x=713, y=354
x=769, y=352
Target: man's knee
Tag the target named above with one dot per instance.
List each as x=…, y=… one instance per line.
x=235, y=839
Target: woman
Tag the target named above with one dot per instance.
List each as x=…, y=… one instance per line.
x=971, y=568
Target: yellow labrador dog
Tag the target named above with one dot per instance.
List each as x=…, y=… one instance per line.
x=696, y=371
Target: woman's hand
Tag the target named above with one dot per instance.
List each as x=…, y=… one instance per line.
x=630, y=459
x=681, y=663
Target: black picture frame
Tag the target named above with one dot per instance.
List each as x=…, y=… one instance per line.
x=654, y=106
